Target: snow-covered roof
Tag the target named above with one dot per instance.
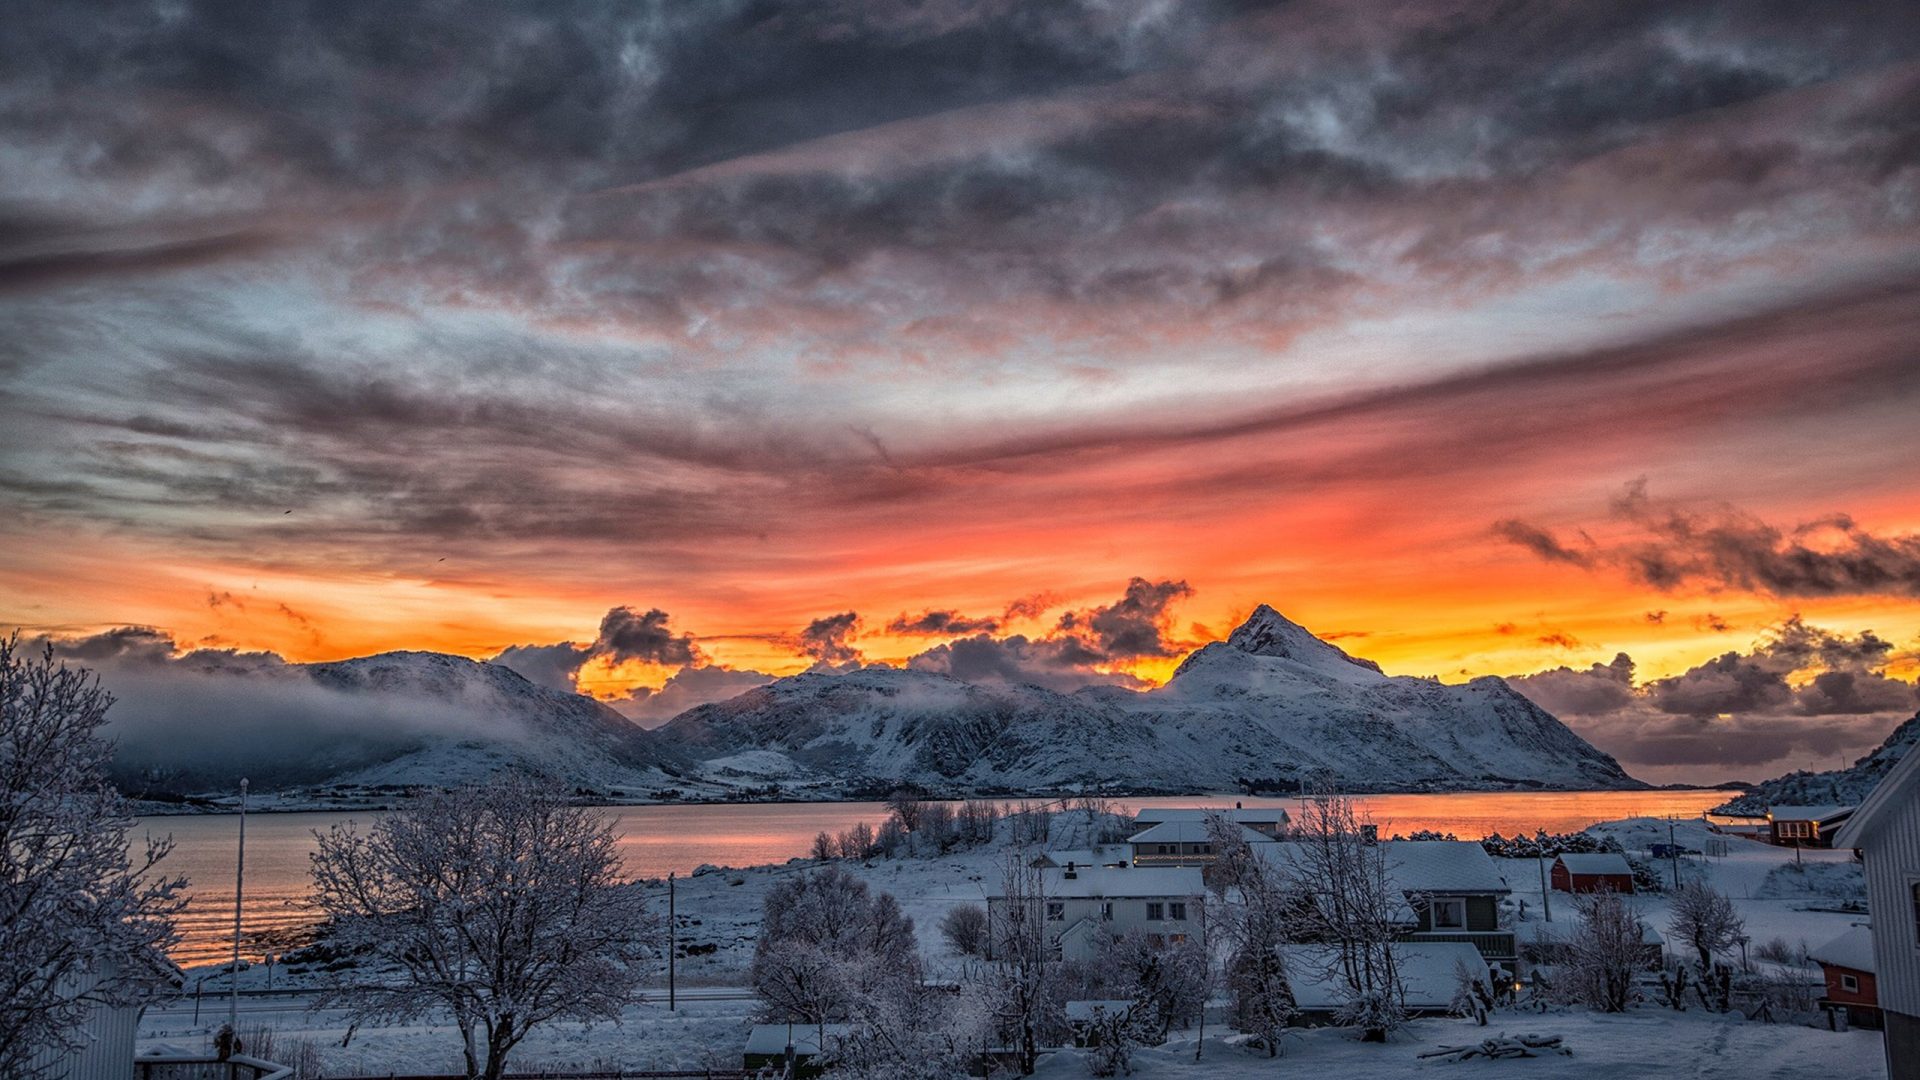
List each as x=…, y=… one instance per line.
x=1808, y=813
x=1853, y=949
x=1243, y=814
x=1595, y=862
x=1122, y=882
x=1427, y=969
x=772, y=1038
x=1189, y=832
x=1084, y=1010
x=1893, y=791
x=1098, y=856
x=1417, y=866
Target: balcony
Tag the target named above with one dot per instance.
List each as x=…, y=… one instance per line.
x=1493, y=944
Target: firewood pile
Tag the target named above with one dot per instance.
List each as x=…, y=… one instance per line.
x=1504, y=1046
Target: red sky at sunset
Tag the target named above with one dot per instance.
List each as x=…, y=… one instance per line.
x=1485, y=342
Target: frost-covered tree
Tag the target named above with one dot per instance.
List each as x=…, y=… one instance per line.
x=1023, y=982
x=82, y=924
x=1255, y=913
x=1605, y=952
x=502, y=907
x=828, y=945
x=1355, y=910
x=1705, y=919
x=1166, y=983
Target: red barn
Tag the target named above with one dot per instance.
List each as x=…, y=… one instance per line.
x=1601, y=871
x=1847, y=962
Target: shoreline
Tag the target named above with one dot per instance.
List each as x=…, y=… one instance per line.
x=227, y=805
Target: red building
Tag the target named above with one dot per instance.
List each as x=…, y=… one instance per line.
x=1847, y=962
x=1600, y=871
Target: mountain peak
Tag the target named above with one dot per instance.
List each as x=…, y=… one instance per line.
x=1269, y=633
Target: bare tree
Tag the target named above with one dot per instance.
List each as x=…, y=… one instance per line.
x=1023, y=981
x=857, y=842
x=1355, y=909
x=825, y=847
x=907, y=803
x=1605, y=952
x=965, y=928
x=502, y=906
x=1704, y=918
x=81, y=925
x=827, y=944
x=1255, y=916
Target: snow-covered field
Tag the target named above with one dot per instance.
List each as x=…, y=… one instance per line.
x=719, y=914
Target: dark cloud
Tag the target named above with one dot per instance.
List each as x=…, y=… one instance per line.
x=829, y=640
x=625, y=634
x=1728, y=549
x=1800, y=690
x=1135, y=626
x=942, y=621
x=1032, y=606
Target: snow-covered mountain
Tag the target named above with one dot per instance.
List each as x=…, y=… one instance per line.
x=1836, y=787
x=1271, y=706
x=397, y=719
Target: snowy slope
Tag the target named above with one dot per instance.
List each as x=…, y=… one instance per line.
x=1839, y=787
x=404, y=719
x=1267, y=708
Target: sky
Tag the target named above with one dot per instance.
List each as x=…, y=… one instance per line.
x=659, y=348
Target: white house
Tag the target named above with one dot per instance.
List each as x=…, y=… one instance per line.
x=1886, y=830
x=1082, y=903
x=1451, y=891
x=105, y=1036
x=1182, y=843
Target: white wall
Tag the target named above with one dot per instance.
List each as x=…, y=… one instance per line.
x=1893, y=866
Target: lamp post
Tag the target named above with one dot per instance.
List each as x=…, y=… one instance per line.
x=239, y=883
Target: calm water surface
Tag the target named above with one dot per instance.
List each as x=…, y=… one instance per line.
x=659, y=839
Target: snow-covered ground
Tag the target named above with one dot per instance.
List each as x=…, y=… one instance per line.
x=720, y=909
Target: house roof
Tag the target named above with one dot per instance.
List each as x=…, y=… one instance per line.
x=1101, y=882
x=1853, y=949
x=1428, y=973
x=1808, y=813
x=1189, y=832
x=772, y=1038
x=1898, y=788
x=1595, y=862
x=1262, y=814
x=1417, y=866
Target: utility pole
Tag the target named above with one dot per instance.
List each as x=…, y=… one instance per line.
x=1673, y=852
x=1546, y=891
x=239, y=885
x=673, y=939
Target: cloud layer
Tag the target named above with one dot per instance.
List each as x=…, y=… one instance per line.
x=1799, y=691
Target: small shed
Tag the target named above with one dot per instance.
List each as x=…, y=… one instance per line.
x=1430, y=973
x=1847, y=963
x=1592, y=872
x=1806, y=826
x=767, y=1045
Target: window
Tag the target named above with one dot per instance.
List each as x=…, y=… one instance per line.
x=1795, y=830
x=1916, y=914
x=1449, y=914
x=1166, y=849
x=1177, y=911
x=1850, y=984
x=1056, y=911
x=1156, y=912
x=1176, y=939
x=1106, y=911
x=1156, y=941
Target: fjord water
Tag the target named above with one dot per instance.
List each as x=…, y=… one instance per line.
x=659, y=839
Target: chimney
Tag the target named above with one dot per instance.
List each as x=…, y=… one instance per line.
x=1237, y=804
x=1070, y=872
